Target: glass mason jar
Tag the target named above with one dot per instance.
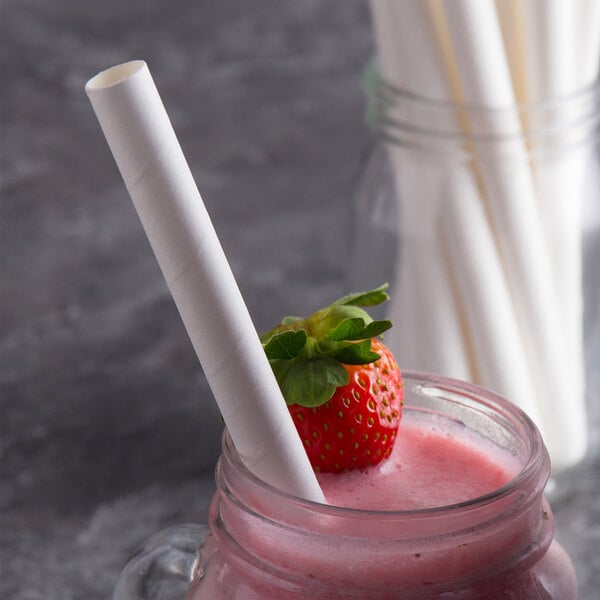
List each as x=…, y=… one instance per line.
x=264, y=544
x=486, y=224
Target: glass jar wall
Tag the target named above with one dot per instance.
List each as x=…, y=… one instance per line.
x=491, y=243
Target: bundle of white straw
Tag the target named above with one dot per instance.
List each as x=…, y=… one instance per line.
x=489, y=277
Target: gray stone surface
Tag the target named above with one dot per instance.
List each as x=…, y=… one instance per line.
x=108, y=431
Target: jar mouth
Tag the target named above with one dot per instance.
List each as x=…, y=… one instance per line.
x=518, y=426
x=405, y=118
x=375, y=84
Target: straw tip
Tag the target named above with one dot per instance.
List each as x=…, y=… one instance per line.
x=114, y=75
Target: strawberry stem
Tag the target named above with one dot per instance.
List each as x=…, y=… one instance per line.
x=307, y=354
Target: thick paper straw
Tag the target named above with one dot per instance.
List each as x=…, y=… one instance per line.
x=195, y=268
x=477, y=40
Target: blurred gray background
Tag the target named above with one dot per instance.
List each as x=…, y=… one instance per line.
x=108, y=429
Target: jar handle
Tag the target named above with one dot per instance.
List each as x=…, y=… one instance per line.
x=163, y=568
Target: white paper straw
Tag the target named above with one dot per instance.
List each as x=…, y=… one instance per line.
x=552, y=32
x=502, y=360
x=511, y=16
x=588, y=51
x=588, y=73
x=390, y=57
x=556, y=33
x=407, y=58
x=429, y=331
x=195, y=268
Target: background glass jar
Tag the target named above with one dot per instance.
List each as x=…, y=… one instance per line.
x=266, y=544
x=486, y=222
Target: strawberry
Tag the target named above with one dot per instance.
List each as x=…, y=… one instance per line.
x=342, y=385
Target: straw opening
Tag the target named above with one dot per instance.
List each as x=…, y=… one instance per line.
x=114, y=75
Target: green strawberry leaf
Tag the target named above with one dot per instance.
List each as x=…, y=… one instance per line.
x=375, y=328
x=280, y=368
x=285, y=345
x=356, y=329
x=308, y=354
x=354, y=353
x=371, y=298
x=312, y=382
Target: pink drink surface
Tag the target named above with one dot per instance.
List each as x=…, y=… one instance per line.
x=428, y=467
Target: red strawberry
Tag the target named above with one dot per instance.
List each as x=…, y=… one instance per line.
x=342, y=385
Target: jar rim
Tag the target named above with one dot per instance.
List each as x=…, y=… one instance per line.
x=537, y=456
x=375, y=83
x=450, y=128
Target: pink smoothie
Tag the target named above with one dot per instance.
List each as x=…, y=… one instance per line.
x=267, y=547
x=428, y=467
